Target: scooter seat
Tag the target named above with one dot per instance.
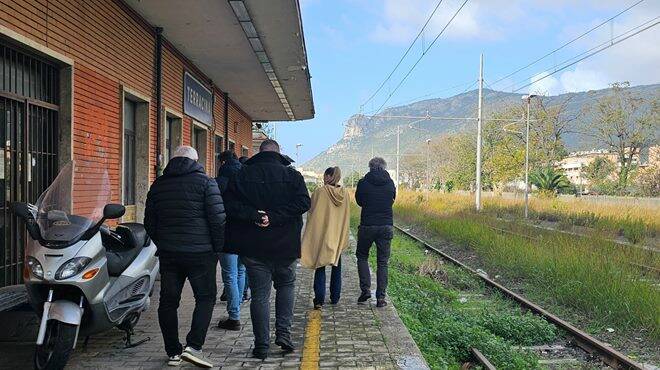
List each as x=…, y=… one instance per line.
x=133, y=238
x=133, y=235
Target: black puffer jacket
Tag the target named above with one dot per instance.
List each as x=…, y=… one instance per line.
x=184, y=211
x=266, y=183
x=375, y=193
x=228, y=170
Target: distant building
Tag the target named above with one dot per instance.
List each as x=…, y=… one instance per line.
x=258, y=137
x=575, y=163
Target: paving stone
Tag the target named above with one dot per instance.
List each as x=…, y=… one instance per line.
x=352, y=336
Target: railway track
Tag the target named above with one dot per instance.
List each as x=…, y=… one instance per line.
x=591, y=345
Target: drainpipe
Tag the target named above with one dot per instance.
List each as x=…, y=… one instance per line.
x=226, y=97
x=159, y=100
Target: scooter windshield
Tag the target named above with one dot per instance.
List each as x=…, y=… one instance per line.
x=59, y=221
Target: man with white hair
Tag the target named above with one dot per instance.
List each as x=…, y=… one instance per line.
x=375, y=194
x=185, y=217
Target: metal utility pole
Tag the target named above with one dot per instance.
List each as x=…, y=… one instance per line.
x=479, y=121
x=528, y=98
x=527, y=162
x=398, y=134
x=428, y=164
x=298, y=153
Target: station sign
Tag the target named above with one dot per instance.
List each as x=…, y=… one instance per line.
x=197, y=100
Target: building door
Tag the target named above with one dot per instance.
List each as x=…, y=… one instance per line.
x=29, y=94
x=199, y=142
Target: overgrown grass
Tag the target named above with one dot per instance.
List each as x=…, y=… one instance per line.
x=634, y=223
x=589, y=275
x=428, y=295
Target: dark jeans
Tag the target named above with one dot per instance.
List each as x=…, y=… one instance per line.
x=382, y=236
x=199, y=269
x=335, y=284
x=264, y=274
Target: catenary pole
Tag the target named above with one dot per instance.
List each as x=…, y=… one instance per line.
x=529, y=97
x=398, y=135
x=479, y=121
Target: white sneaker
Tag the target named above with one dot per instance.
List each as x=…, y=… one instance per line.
x=174, y=360
x=196, y=358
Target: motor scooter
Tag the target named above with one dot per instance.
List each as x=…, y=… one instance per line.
x=82, y=277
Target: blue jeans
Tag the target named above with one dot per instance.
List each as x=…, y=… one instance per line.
x=233, y=279
x=335, y=284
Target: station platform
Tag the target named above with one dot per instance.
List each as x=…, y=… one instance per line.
x=342, y=336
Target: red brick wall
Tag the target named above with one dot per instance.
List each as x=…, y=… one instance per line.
x=240, y=129
x=92, y=33
x=111, y=48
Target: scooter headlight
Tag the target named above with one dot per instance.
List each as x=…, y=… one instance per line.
x=35, y=267
x=72, y=267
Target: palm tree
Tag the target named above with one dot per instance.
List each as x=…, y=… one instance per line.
x=549, y=181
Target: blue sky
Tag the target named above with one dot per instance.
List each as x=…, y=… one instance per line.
x=352, y=46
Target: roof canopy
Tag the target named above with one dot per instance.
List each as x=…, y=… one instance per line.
x=252, y=49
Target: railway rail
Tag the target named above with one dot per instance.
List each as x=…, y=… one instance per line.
x=591, y=345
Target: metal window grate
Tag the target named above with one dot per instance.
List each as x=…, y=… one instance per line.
x=29, y=94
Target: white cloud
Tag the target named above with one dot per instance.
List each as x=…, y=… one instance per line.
x=544, y=84
x=634, y=60
x=402, y=20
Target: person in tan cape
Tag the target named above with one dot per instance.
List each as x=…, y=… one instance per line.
x=326, y=235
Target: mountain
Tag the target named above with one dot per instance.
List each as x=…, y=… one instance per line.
x=366, y=136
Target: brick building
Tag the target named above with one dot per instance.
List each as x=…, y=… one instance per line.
x=115, y=85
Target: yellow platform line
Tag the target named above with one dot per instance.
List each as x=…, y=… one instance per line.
x=312, y=348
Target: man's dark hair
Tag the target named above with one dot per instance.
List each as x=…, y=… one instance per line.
x=227, y=155
x=269, y=145
x=243, y=159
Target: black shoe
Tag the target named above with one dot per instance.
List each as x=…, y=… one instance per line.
x=230, y=325
x=285, y=344
x=364, y=298
x=223, y=296
x=380, y=302
x=246, y=297
x=260, y=354
x=318, y=306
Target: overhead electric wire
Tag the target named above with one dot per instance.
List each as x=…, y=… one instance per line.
x=403, y=56
x=422, y=56
x=582, y=56
x=596, y=50
x=415, y=99
x=569, y=42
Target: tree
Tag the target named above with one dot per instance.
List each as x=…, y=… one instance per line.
x=599, y=169
x=352, y=179
x=549, y=181
x=648, y=181
x=455, y=156
x=413, y=169
x=599, y=173
x=625, y=123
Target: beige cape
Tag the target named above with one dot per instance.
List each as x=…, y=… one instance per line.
x=326, y=231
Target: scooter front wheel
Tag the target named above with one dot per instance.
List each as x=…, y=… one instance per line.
x=54, y=353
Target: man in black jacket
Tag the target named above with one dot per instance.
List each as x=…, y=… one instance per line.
x=375, y=194
x=233, y=270
x=265, y=203
x=185, y=218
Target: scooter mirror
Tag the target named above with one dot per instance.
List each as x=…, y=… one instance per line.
x=112, y=211
x=21, y=210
